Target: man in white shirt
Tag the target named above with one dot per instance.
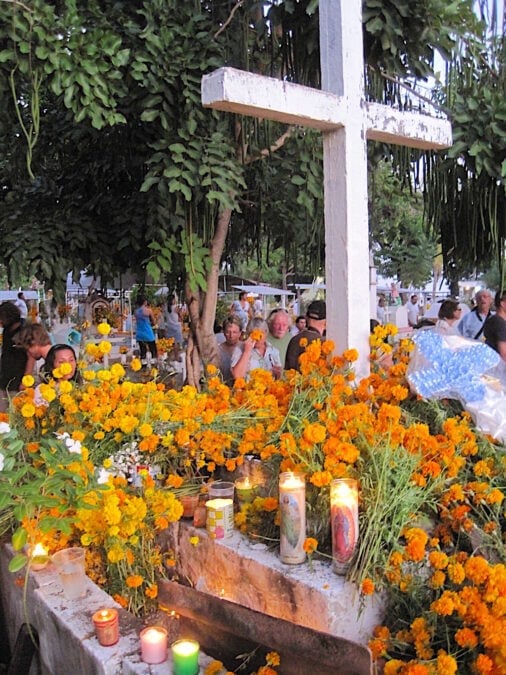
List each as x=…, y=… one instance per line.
x=471, y=325
x=413, y=310
x=20, y=303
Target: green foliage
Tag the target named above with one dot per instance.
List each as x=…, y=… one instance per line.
x=401, y=247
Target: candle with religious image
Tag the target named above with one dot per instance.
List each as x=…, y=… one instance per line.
x=344, y=522
x=292, y=505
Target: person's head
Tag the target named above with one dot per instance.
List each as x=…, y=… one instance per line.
x=483, y=301
x=449, y=310
x=317, y=315
x=300, y=322
x=141, y=300
x=243, y=296
x=499, y=301
x=373, y=323
x=21, y=295
x=56, y=358
x=9, y=314
x=414, y=299
x=172, y=301
x=258, y=324
x=36, y=341
x=278, y=323
x=232, y=329
x=381, y=301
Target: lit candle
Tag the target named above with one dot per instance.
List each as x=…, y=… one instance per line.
x=220, y=517
x=344, y=522
x=106, y=624
x=292, y=504
x=185, y=657
x=245, y=490
x=38, y=557
x=154, y=644
x=189, y=503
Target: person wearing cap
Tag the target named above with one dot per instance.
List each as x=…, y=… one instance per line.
x=316, y=320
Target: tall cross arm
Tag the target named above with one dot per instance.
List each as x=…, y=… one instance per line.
x=266, y=97
x=389, y=125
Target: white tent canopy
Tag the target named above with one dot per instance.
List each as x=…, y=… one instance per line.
x=264, y=290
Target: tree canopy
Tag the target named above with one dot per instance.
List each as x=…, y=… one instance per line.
x=109, y=162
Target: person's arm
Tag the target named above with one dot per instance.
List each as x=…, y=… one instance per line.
x=501, y=348
x=240, y=367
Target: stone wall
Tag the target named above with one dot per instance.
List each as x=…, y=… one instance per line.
x=68, y=645
x=253, y=576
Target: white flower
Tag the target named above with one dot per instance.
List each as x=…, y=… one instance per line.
x=4, y=428
x=72, y=446
x=1, y=461
x=103, y=475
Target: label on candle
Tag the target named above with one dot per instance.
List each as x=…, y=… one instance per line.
x=220, y=518
x=344, y=523
x=292, y=503
x=106, y=626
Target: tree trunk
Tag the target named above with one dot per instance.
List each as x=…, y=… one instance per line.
x=202, y=348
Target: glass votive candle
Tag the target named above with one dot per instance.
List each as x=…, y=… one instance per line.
x=185, y=657
x=220, y=518
x=344, y=522
x=39, y=557
x=106, y=623
x=245, y=490
x=154, y=644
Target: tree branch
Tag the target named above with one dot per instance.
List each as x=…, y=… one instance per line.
x=272, y=148
x=231, y=16
x=19, y=4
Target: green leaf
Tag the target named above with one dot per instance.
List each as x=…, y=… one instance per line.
x=17, y=562
x=19, y=539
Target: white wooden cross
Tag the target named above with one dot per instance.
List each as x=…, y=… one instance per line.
x=347, y=121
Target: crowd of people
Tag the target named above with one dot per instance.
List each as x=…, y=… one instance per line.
x=245, y=342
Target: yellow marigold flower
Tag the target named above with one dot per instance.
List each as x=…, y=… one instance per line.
x=115, y=554
x=65, y=369
x=104, y=347
x=350, y=355
x=103, y=328
x=28, y=410
x=310, y=545
x=145, y=430
x=99, y=435
x=47, y=392
x=134, y=581
x=117, y=371
x=303, y=342
x=211, y=369
x=65, y=385
x=88, y=375
x=135, y=364
x=495, y=496
x=272, y=659
x=194, y=541
x=399, y=393
x=393, y=667
x=28, y=381
x=107, y=463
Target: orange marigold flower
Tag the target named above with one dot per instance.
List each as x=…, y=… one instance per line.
x=477, y=569
x=270, y=504
x=350, y=355
x=446, y=664
x=120, y=600
x=310, y=545
x=152, y=591
x=134, y=581
x=368, y=586
x=467, y=638
x=256, y=334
